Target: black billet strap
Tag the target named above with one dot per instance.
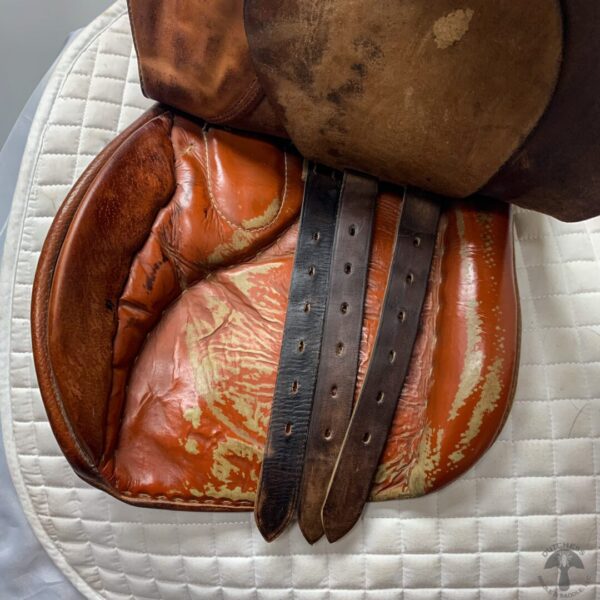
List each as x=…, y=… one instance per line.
x=299, y=359
x=338, y=366
x=398, y=327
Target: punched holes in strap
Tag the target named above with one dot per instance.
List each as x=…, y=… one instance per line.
x=398, y=326
x=338, y=366
x=300, y=350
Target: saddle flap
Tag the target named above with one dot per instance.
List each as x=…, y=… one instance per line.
x=430, y=95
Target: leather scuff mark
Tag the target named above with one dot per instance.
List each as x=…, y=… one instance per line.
x=490, y=395
x=427, y=463
x=240, y=240
x=450, y=29
x=192, y=415
x=473, y=360
x=266, y=218
x=191, y=446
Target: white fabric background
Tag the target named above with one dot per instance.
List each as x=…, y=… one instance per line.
x=26, y=570
x=482, y=537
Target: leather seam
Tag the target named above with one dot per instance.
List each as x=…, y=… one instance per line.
x=237, y=109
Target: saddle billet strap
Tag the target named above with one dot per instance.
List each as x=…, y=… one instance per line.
x=398, y=326
x=338, y=366
x=300, y=350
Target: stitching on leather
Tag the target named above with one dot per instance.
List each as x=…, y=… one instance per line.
x=511, y=516
x=250, y=95
x=237, y=109
x=218, y=209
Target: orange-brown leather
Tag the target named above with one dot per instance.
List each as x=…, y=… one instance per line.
x=193, y=55
x=233, y=197
x=175, y=411
x=92, y=268
x=72, y=443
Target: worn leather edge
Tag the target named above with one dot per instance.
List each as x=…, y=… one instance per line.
x=523, y=178
x=340, y=347
x=289, y=423
x=76, y=451
x=397, y=331
x=243, y=107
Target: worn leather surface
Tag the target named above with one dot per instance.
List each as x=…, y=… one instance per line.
x=211, y=222
x=73, y=443
x=505, y=107
x=193, y=55
x=200, y=317
x=436, y=95
x=93, y=266
x=300, y=354
x=338, y=364
x=399, y=319
x=556, y=168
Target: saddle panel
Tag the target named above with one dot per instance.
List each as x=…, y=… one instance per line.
x=177, y=413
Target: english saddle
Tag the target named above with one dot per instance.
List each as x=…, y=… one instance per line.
x=290, y=286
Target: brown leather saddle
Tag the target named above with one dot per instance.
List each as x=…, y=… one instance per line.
x=290, y=287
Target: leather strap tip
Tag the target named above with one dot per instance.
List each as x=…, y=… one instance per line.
x=338, y=520
x=269, y=530
x=311, y=530
x=335, y=531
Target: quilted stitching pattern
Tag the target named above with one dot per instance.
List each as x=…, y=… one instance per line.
x=482, y=537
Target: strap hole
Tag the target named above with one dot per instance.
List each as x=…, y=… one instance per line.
x=348, y=268
x=333, y=391
x=295, y=386
x=402, y=316
x=410, y=278
x=392, y=357
x=306, y=307
x=288, y=429
x=328, y=434
x=316, y=236
x=301, y=346
x=339, y=349
x=344, y=307
x=366, y=438
x=312, y=270
x=380, y=396
x=416, y=241
x=352, y=230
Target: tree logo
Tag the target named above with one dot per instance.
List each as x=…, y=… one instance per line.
x=564, y=572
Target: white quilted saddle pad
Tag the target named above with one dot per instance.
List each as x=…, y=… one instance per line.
x=487, y=536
